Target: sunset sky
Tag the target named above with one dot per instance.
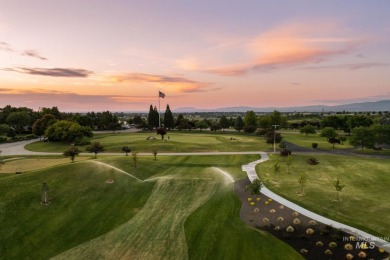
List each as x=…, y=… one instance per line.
x=115, y=55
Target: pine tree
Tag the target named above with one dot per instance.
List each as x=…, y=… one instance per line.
x=151, y=116
x=168, y=118
x=239, y=124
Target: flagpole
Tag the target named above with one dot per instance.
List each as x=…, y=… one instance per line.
x=159, y=113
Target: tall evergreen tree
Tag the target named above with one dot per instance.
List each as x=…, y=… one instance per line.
x=168, y=118
x=153, y=117
x=224, y=122
x=239, y=124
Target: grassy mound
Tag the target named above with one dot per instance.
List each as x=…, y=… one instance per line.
x=365, y=198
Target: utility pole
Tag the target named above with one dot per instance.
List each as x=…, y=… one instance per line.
x=274, y=126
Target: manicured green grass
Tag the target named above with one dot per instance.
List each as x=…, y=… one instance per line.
x=365, y=198
x=128, y=217
x=305, y=141
x=83, y=207
x=33, y=164
x=178, y=142
x=213, y=231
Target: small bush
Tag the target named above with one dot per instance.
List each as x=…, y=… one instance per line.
x=296, y=221
x=303, y=251
x=3, y=139
x=280, y=219
x=348, y=246
x=295, y=214
x=313, y=161
x=362, y=254
x=290, y=229
x=272, y=211
x=285, y=152
x=314, y=145
x=348, y=256
x=277, y=228
x=249, y=199
x=252, y=203
x=328, y=252
x=332, y=244
x=309, y=231
x=312, y=222
x=319, y=243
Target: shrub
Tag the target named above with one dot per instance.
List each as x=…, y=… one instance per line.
x=266, y=203
x=281, y=207
x=303, y=251
x=265, y=220
x=285, y=152
x=272, y=211
x=280, y=219
x=82, y=141
x=313, y=161
x=296, y=221
x=258, y=199
x=314, y=145
x=309, y=231
x=328, y=252
x=319, y=243
x=348, y=256
x=312, y=222
x=270, y=200
x=277, y=228
x=256, y=210
x=362, y=254
x=290, y=229
x=252, y=203
x=249, y=199
x=295, y=214
x=254, y=187
x=249, y=128
x=348, y=246
x=3, y=139
x=332, y=244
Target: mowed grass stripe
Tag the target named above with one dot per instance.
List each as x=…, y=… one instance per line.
x=157, y=231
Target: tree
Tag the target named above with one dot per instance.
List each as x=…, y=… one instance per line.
x=337, y=185
x=215, y=127
x=276, y=169
x=307, y=129
x=250, y=119
x=359, y=120
x=328, y=132
x=4, y=128
x=224, y=122
x=155, y=154
x=135, y=158
x=126, y=149
x=265, y=122
x=285, y=153
x=95, y=148
x=239, y=124
x=67, y=131
x=334, y=140
x=153, y=117
x=302, y=179
x=168, y=118
x=289, y=162
x=72, y=152
x=276, y=118
x=271, y=135
x=382, y=134
x=40, y=125
x=363, y=137
x=161, y=131
x=254, y=187
x=18, y=120
x=202, y=124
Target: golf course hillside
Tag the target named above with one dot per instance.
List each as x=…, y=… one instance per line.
x=175, y=207
x=363, y=202
x=177, y=141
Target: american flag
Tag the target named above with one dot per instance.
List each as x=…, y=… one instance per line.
x=160, y=94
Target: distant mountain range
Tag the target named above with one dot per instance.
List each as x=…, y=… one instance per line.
x=383, y=105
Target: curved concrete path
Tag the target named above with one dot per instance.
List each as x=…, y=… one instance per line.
x=251, y=172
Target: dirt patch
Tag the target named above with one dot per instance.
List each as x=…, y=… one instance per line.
x=314, y=240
